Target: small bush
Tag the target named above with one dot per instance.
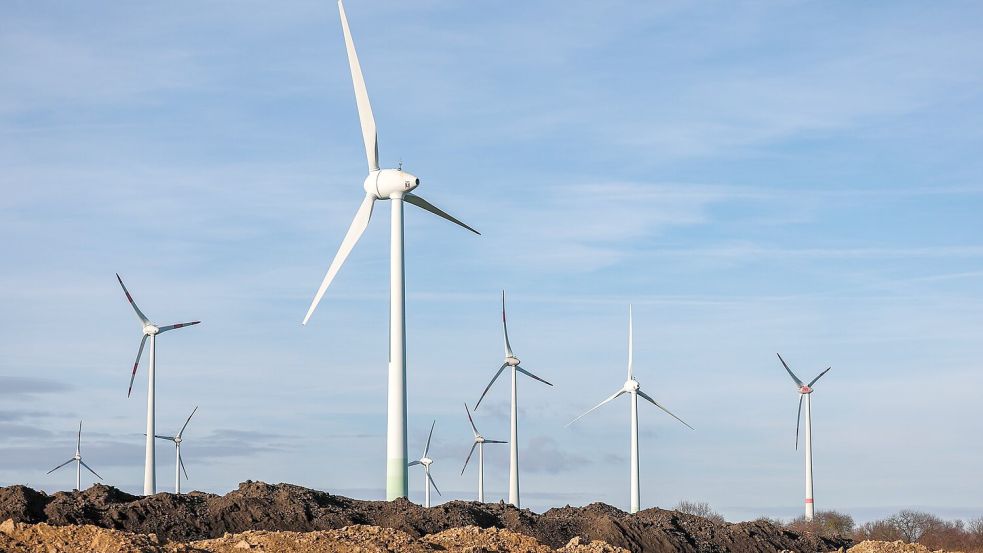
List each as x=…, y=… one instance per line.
x=700, y=509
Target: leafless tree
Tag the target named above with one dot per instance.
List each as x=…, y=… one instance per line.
x=700, y=509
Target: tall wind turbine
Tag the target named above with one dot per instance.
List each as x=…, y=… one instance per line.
x=479, y=442
x=79, y=463
x=805, y=391
x=179, y=462
x=633, y=389
x=394, y=185
x=426, y=462
x=512, y=362
x=149, y=330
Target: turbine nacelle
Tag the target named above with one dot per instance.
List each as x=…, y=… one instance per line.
x=151, y=330
x=426, y=461
x=389, y=183
x=631, y=386
x=512, y=361
x=805, y=390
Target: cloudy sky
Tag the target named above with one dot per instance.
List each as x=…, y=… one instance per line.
x=795, y=177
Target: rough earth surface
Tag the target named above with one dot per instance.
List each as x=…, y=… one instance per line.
x=871, y=546
x=268, y=511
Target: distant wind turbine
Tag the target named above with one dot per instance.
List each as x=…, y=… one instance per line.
x=79, y=463
x=179, y=461
x=395, y=185
x=632, y=388
x=149, y=330
x=426, y=462
x=512, y=362
x=805, y=391
x=479, y=442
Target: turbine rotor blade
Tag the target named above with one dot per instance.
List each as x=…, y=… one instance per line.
x=798, y=419
x=494, y=378
x=473, y=427
x=177, y=325
x=818, y=377
x=169, y=438
x=430, y=478
x=78, y=444
x=631, y=342
x=90, y=469
x=187, y=421
x=355, y=231
x=505, y=326
x=365, y=118
x=133, y=374
x=474, y=445
x=529, y=374
x=656, y=403
x=143, y=318
x=427, y=449
x=418, y=201
x=411, y=463
x=181, y=462
x=790, y=373
x=496, y=442
x=611, y=397
x=61, y=465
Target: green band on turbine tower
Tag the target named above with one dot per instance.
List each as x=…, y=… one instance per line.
x=396, y=479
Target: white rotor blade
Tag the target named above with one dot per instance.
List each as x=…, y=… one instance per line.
x=61, y=465
x=355, y=231
x=181, y=462
x=143, y=318
x=90, y=469
x=614, y=395
x=505, y=327
x=427, y=449
x=494, y=378
x=411, y=463
x=424, y=204
x=818, y=377
x=790, y=373
x=529, y=374
x=177, y=325
x=78, y=444
x=631, y=342
x=798, y=419
x=474, y=445
x=369, y=135
x=430, y=478
x=496, y=442
x=656, y=403
x=133, y=375
x=473, y=427
x=187, y=421
x=169, y=438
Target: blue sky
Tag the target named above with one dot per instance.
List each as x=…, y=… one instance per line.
x=801, y=177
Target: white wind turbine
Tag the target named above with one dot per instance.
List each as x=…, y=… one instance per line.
x=479, y=442
x=632, y=388
x=511, y=361
x=805, y=391
x=394, y=185
x=149, y=330
x=426, y=462
x=179, y=461
x=79, y=463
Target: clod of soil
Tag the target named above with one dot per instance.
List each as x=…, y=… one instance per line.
x=256, y=506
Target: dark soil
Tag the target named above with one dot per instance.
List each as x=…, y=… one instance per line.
x=259, y=506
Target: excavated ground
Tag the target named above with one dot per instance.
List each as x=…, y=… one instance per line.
x=256, y=508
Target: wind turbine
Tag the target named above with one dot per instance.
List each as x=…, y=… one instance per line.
x=149, y=330
x=805, y=391
x=426, y=462
x=179, y=462
x=79, y=463
x=634, y=390
x=512, y=362
x=479, y=442
x=394, y=185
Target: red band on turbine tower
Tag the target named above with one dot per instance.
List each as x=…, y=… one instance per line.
x=809, y=500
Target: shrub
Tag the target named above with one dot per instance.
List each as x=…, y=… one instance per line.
x=700, y=509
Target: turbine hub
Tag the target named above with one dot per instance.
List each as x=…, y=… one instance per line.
x=389, y=183
x=805, y=390
x=479, y=439
x=512, y=360
x=631, y=385
x=177, y=439
x=426, y=461
x=150, y=330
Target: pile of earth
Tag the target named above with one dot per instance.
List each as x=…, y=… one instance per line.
x=871, y=546
x=256, y=506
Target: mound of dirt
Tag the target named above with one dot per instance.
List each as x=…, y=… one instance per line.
x=256, y=506
x=871, y=546
x=26, y=538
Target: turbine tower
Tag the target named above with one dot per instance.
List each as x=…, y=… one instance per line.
x=426, y=462
x=805, y=391
x=479, y=442
x=149, y=330
x=79, y=463
x=179, y=461
x=512, y=362
x=633, y=389
x=395, y=185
